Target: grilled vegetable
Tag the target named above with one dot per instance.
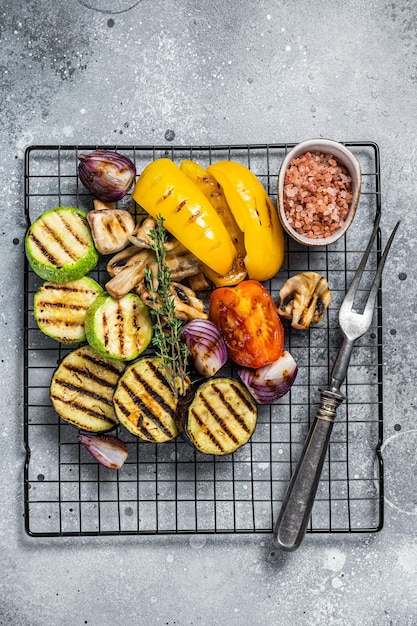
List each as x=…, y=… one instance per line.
x=214, y=193
x=59, y=246
x=144, y=402
x=111, y=229
x=82, y=389
x=255, y=215
x=108, y=175
x=108, y=450
x=304, y=299
x=59, y=309
x=119, y=329
x=206, y=345
x=216, y=416
x=249, y=321
x=164, y=190
x=269, y=383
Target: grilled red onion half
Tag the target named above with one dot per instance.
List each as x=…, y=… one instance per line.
x=206, y=345
x=108, y=175
x=272, y=381
x=108, y=450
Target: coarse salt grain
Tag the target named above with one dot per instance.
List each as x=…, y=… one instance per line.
x=317, y=194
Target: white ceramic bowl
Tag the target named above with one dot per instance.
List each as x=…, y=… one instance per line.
x=345, y=158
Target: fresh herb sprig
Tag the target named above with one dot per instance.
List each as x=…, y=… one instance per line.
x=167, y=328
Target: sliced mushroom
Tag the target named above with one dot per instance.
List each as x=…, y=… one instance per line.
x=304, y=299
x=142, y=235
x=131, y=275
x=110, y=229
x=186, y=304
x=99, y=205
x=198, y=282
x=122, y=259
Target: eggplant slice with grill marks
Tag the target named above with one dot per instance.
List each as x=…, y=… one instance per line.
x=59, y=245
x=82, y=389
x=216, y=416
x=60, y=308
x=144, y=402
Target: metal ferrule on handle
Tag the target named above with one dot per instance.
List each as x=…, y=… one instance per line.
x=298, y=502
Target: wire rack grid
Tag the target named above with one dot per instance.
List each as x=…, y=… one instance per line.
x=170, y=488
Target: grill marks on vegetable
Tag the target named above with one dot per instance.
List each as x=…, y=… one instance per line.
x=144, y=401
x=217, y=416
x=223, y=412
x=82, y=389
x=58, y=241
x=60, y=309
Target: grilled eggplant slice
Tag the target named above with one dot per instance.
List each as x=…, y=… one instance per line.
x=59, y=245
x=216, y=416
x=60, y=309
x=144, y=402
x=82, y=389
x=118, y=328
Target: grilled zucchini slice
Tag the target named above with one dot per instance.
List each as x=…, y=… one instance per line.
x=59, y=245
x=144, y=402
x=216, y=416
x=59, y=308
x=82, y=388
x=118, y=328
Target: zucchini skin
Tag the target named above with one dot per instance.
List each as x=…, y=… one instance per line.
x=118, y=328
x=59, y=245
x=216, y=416
x=60, y=308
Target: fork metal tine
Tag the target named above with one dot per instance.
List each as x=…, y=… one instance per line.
x=352, y=324
x=350, y=295
x=370, y=303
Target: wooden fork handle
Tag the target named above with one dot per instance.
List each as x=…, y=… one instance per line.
x=298, y=502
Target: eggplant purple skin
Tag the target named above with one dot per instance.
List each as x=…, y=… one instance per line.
x=92, y=174
x=181, y=411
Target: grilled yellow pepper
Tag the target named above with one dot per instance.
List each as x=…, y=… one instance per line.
x=214, y=193
x=255, y=215
x=164, y=190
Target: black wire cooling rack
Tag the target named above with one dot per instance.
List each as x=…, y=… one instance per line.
x=170, y=488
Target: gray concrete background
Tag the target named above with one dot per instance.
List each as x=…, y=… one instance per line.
x=101, y=71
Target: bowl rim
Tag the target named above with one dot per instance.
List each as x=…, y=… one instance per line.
x=349, y=160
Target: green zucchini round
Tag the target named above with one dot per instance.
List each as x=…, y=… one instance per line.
x=59, y=245
x=60, y=308
x=118, y=328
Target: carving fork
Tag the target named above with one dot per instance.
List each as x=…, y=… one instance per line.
x=298, y=502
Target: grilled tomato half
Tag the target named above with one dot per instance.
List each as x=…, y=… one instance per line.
x=248, y=318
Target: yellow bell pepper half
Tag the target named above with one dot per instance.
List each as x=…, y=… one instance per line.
x=214, y=193
x=255, y=215
x=164, y=190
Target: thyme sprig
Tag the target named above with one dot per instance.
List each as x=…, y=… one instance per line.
x=167, y=328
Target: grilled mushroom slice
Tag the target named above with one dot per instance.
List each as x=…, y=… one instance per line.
x=186, y=304
x=304, y=299
x=131, y=274
x=110, y=229
x=142, y=235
